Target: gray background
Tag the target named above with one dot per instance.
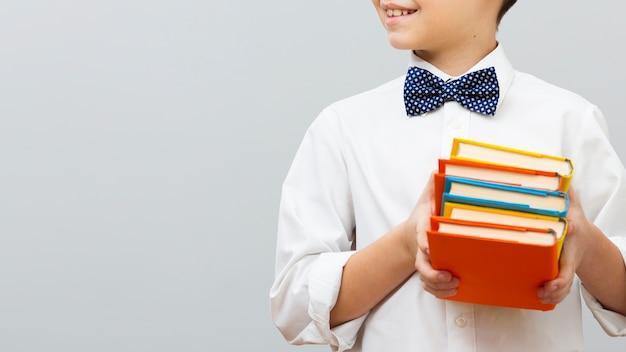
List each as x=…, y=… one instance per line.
x=143, y=145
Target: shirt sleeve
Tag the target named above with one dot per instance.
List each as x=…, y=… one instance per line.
x=314, y=241
x=614, y=324
x=600, y=181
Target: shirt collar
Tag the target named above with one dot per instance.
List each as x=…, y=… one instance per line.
x=497, y=58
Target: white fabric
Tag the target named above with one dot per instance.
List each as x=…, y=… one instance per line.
x=358, y=173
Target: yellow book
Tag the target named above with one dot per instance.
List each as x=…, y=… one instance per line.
x=466, y=149
x=506, y=217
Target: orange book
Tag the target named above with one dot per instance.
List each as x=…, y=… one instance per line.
x=509, y=217
x=499, y=265
x=466, y=149
x=440, y=185
x=511, y=175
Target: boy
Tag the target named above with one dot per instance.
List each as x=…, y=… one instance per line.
x=352, y=265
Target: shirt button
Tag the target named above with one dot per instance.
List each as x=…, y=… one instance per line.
x=456, y=124
x=461, y=321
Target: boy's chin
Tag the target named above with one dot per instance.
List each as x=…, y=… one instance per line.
x=401, y=43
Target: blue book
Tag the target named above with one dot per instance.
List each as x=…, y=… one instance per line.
x=503, y=196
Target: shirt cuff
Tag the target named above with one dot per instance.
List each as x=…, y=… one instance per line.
x=614, y=324
x=324, y=284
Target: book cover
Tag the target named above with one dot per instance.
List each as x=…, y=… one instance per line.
x=467, y=149
x=492, y=266
x=502, y=196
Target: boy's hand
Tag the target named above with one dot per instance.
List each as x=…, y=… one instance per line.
x=577, y=243
x=437, y=282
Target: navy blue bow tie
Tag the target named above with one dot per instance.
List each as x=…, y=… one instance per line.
x=477, y=91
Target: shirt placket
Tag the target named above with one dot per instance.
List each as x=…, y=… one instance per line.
x=456, y=123
x=461, y=327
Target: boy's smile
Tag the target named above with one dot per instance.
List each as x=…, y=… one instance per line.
x=441, y=31
x=398, y=12
x=394, y=16
x=394, y=11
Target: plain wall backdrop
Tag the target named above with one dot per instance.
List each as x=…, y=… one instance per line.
x=143, y=145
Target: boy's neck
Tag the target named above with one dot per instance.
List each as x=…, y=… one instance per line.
x=457, y=62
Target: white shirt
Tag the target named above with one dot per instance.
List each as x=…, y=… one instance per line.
x=359, y=172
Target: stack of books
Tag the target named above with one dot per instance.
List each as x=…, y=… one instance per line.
x=501, y=222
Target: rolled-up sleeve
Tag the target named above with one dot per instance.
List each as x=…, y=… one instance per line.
x=614, y=324
x=315, y=237
x=603, y=196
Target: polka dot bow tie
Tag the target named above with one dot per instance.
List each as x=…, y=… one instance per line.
x=477, y=91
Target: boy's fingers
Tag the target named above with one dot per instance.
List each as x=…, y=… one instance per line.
x=556, y=290
x=438, y=282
